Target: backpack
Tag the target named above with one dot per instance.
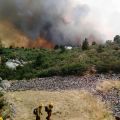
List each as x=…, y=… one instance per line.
x=35, y=111
x=46, y=109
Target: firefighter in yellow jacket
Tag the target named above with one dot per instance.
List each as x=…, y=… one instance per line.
x=48, y=109
x=38, y=112
x=1, y=118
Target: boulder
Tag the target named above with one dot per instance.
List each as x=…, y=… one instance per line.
x=5, y=84
x=14, y=63
x=1, y=89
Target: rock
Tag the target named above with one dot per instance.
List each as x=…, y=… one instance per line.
x=5, y=84
x=1, y=89
x=0, y=79
x=117, y=117
x=13, y=63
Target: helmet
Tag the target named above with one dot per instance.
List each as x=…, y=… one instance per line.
x=41, y=105
x=50, y=105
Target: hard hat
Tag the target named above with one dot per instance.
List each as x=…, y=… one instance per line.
x=40, y=105
x=51, y=105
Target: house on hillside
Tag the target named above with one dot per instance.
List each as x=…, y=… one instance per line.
x=68, y=47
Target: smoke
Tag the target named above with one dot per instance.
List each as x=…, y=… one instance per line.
x=59, y=21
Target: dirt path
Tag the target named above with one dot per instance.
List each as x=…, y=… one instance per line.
x=68, y=105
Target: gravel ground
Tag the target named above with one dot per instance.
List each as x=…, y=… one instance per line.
x=61, y=83
x=68, y=83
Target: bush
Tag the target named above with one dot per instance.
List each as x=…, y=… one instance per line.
x=6, y=73
x=116, y=66
x=62, y=49
x=39, y=60
x=2, y=103
x=100, y=49
x=106, y=67
x=103, y=68
x=48, y=73
x=74, y=69
x=24, y=72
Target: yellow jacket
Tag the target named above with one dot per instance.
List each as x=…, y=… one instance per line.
x=1, y=118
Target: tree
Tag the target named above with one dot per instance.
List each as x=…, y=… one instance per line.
x=1, y=47
x=85, y=45
x=56, y=47
x=94, y=43
x=117, y=39
x=62, y=49
x=100, y=48
x=39, y=60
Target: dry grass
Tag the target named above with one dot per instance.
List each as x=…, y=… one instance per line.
x=9, y=35
x=68, y=105
x=107, y=85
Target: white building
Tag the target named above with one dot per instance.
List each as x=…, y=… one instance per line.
x=68, y=47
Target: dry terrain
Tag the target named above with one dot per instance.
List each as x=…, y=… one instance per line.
x=68, y=105
x=74, y=98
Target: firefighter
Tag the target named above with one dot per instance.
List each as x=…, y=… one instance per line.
x=48, y=109
x=38, y=112
x=1, y=117
x=117, y=118
x=8, y=118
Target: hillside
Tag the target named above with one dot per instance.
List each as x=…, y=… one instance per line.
x=11, y=36
x=82, y=82
x=61, y=61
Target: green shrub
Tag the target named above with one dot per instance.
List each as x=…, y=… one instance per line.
x=5, y=73
x=74, y=69
x=48, y=73
x=100, y=49
x=116, y=66
x=2, y=103
x=103, y=68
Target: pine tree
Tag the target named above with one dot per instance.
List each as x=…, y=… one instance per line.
x=1, y=47
x=117, y=39
x=94, y=43
x=85, y=45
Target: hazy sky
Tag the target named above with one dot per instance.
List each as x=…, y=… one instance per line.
x=72, y=19
x=106, y=15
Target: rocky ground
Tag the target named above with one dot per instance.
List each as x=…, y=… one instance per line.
x=61, y=83
x=73, y=83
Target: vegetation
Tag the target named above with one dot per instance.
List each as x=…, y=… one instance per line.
x=44, y=62
x=85, y=45
x=4, y=108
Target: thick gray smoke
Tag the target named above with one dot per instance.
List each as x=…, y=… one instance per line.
x=60, y=21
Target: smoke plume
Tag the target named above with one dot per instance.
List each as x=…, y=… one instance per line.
x=59, y=21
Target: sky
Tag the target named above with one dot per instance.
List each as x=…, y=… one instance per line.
x=106, y=15
x=64, y=21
